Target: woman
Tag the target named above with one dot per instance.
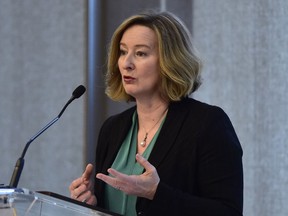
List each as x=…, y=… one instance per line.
x=188, y=157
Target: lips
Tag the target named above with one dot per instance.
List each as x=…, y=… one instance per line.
x=128, y=79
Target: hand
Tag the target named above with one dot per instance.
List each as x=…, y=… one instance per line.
x=80, y=188
x=144, y=185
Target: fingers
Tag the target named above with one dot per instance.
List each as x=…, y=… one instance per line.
x=87, y=173
x=76, y=192
x=117, y=174
x=80, y=187
x=83, y=179
x=118, y=177
x=143, y=185
x=92, y=200
x=83, y=193
x=87, y=197
x=143, y=162
x=75, y=184
x=83, y=196
x=113, y=181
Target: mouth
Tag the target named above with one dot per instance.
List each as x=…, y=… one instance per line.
x=128, y=79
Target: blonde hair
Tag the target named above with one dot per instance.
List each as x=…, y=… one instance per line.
x=179, y=65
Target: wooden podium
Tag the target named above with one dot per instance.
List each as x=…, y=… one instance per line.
x=22, y=202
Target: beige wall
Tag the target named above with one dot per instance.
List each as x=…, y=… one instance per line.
x=244, y=45
x=42, y=58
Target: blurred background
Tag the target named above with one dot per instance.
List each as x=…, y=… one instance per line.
x=48, y=48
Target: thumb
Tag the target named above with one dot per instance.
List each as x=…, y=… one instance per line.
x=143, y=162
x=87, y=173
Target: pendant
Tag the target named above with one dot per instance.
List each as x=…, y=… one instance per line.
x=143, y=143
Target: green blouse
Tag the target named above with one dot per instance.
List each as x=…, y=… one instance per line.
x=125, y=162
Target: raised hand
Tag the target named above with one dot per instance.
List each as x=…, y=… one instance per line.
x=143, y=185
x=81, y=188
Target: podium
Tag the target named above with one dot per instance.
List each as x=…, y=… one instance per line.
x=23, y=202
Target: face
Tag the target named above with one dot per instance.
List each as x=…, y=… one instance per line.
x=139, y=62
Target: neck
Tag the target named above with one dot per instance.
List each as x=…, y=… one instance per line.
x=149, y=122
x=151, y=112
x=149, y=117
x=151, y=104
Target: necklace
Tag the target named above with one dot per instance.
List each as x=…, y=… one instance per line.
x=143, y=143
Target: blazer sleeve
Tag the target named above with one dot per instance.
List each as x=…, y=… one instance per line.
x=219, y=175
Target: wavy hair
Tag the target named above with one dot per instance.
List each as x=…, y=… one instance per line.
x=180, y=68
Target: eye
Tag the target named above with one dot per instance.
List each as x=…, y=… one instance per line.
x=141, y=53
x=122, y=52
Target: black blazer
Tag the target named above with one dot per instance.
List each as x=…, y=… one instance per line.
x=197, y=155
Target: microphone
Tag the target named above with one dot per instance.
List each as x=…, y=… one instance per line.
x=78, y=92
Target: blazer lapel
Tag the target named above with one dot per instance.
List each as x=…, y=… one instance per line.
x=167, y=137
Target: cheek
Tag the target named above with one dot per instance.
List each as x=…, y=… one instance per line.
x=154, y=78
x=121, y=71
x=154, y=72
x=119, y=65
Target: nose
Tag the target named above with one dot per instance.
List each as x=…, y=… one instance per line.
x=127, y=62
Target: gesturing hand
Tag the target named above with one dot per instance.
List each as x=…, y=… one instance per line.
x=143, y=185
x=80, y=188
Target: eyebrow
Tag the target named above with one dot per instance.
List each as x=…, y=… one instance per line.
x=137, y=45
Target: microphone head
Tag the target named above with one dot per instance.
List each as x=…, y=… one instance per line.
x=79, y=91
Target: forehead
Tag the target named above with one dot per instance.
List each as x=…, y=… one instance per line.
x=139, y=34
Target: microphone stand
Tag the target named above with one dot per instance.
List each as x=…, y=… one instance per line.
x=20, y=162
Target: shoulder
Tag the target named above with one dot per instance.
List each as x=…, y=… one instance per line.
x=200, y=116
x=198, y=110
x=213, y=124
